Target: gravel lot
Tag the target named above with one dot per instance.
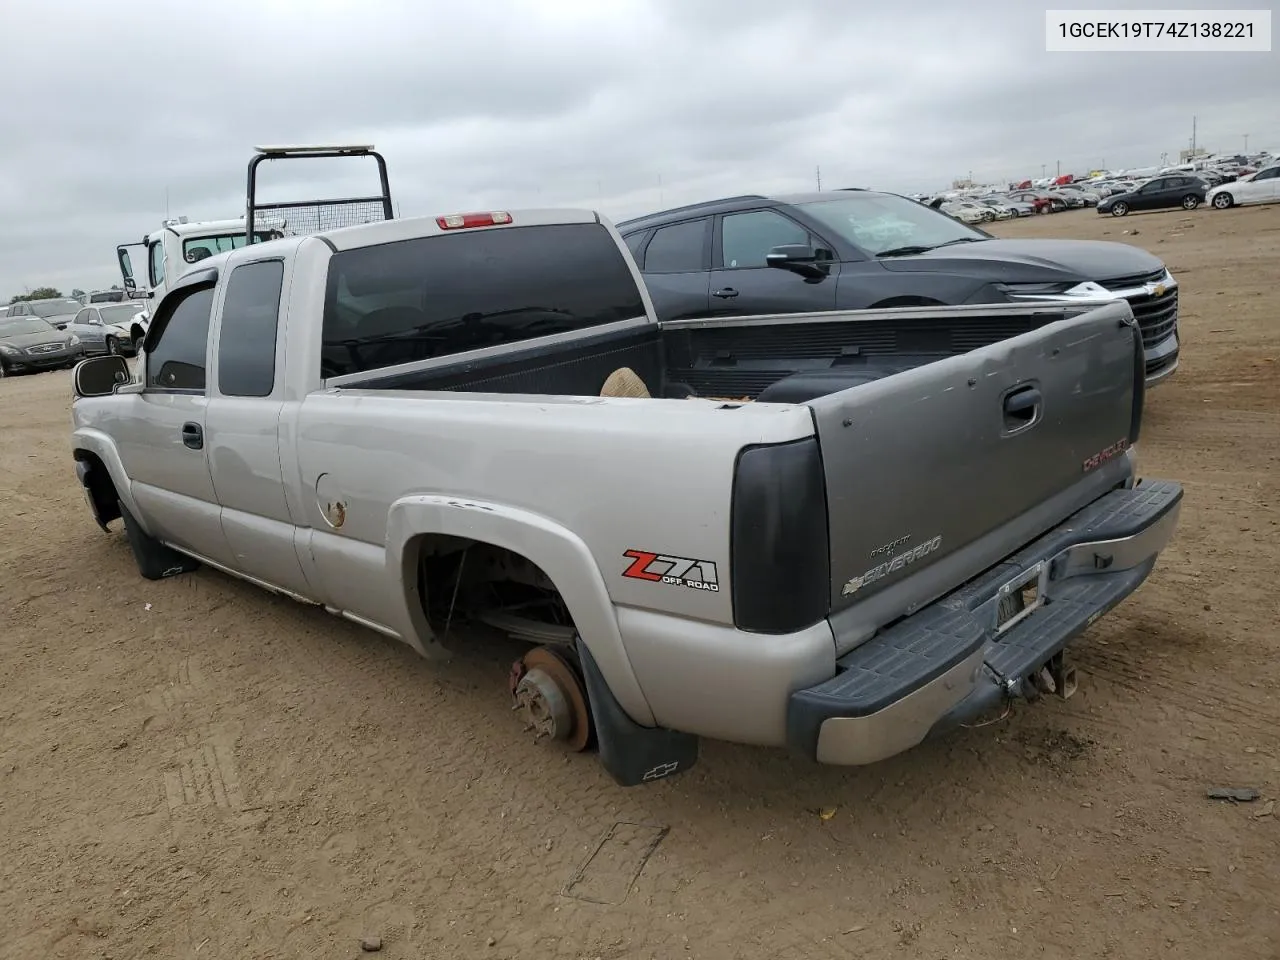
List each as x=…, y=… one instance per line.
x=194, y=768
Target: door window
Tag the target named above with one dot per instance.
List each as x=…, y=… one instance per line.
x=635, y=242
x=747, y=237
x=1271, y=173
x=247, y=335
x=176, y=360
x=156, y=263
x=82, y=317
x=678, y=248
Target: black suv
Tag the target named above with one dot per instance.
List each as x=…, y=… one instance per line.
x=860, y=249
x=1161, y=193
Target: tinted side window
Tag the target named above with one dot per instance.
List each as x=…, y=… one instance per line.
x=747, y=237
x=1271, y=173
x=440, y=295
x=247, y=335
x=677, y=248
x=635, y=242
x=177, y=360
x=156, y=263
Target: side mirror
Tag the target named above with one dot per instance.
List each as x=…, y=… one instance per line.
x=798, y=258
x=99, y=376
x=790, y=253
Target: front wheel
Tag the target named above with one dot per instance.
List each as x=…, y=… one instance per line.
x=1223, y=201
x=1190, y=202
x=1119, y=209
x=113, y=347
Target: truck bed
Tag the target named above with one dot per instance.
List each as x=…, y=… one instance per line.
x=786, y=358
x=946, y=437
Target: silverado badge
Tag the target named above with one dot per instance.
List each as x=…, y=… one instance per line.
x=894, y=564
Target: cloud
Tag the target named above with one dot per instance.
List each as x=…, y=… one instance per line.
x=627, y=105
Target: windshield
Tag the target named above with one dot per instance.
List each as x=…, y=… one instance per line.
x=19, y=326
x=197, y=248
x=53, y=308
x=876, y=222
x=122, y=313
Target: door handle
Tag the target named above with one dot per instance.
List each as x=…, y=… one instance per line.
x=192, y=436
x=728, y=293
x=1022, y=407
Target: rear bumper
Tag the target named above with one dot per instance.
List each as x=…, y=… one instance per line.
x=946, y=664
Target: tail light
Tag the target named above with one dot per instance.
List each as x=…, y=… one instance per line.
x=461, y=221
x=780, y=560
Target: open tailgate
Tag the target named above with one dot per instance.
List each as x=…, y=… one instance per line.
x=966, y=459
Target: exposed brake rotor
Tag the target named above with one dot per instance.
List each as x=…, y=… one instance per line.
x=549, y=696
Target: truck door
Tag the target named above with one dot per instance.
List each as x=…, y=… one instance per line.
x=243, y=421
x=161, y=432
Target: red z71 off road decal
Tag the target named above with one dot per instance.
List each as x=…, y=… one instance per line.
x=679, y=571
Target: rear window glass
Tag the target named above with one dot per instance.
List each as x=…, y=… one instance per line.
x=440, y=295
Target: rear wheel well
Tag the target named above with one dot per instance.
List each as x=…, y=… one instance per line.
x=106, y=499
x=461, y=580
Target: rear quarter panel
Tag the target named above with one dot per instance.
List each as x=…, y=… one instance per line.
x=621, y=474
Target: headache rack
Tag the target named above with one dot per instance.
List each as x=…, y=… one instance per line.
x=303, y=217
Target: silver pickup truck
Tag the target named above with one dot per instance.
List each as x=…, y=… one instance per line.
x=838, y=533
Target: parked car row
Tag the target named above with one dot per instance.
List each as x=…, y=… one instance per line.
x=1226, y=183
x=37, y=335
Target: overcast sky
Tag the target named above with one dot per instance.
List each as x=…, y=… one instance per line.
x=621, y=105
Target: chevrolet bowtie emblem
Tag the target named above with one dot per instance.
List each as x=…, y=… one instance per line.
x=1157, y=290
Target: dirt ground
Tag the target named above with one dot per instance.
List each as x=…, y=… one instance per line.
x=194, y=768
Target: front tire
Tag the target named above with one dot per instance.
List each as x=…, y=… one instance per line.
x=1223, y=201
x=155, y=561
x=113, y=347
x=1190, y=202
x=1120, y=209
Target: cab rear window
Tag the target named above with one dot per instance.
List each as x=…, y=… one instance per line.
x=441, y=295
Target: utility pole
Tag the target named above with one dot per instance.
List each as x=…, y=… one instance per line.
x=1042, y=166
x=661, y=194
x=1246, y=143
x=818, y=171
x=1193, y=136
x=1059, y=162
x=166, y=203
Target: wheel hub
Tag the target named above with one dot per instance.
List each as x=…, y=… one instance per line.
x=549, y=697
x=544, y=705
